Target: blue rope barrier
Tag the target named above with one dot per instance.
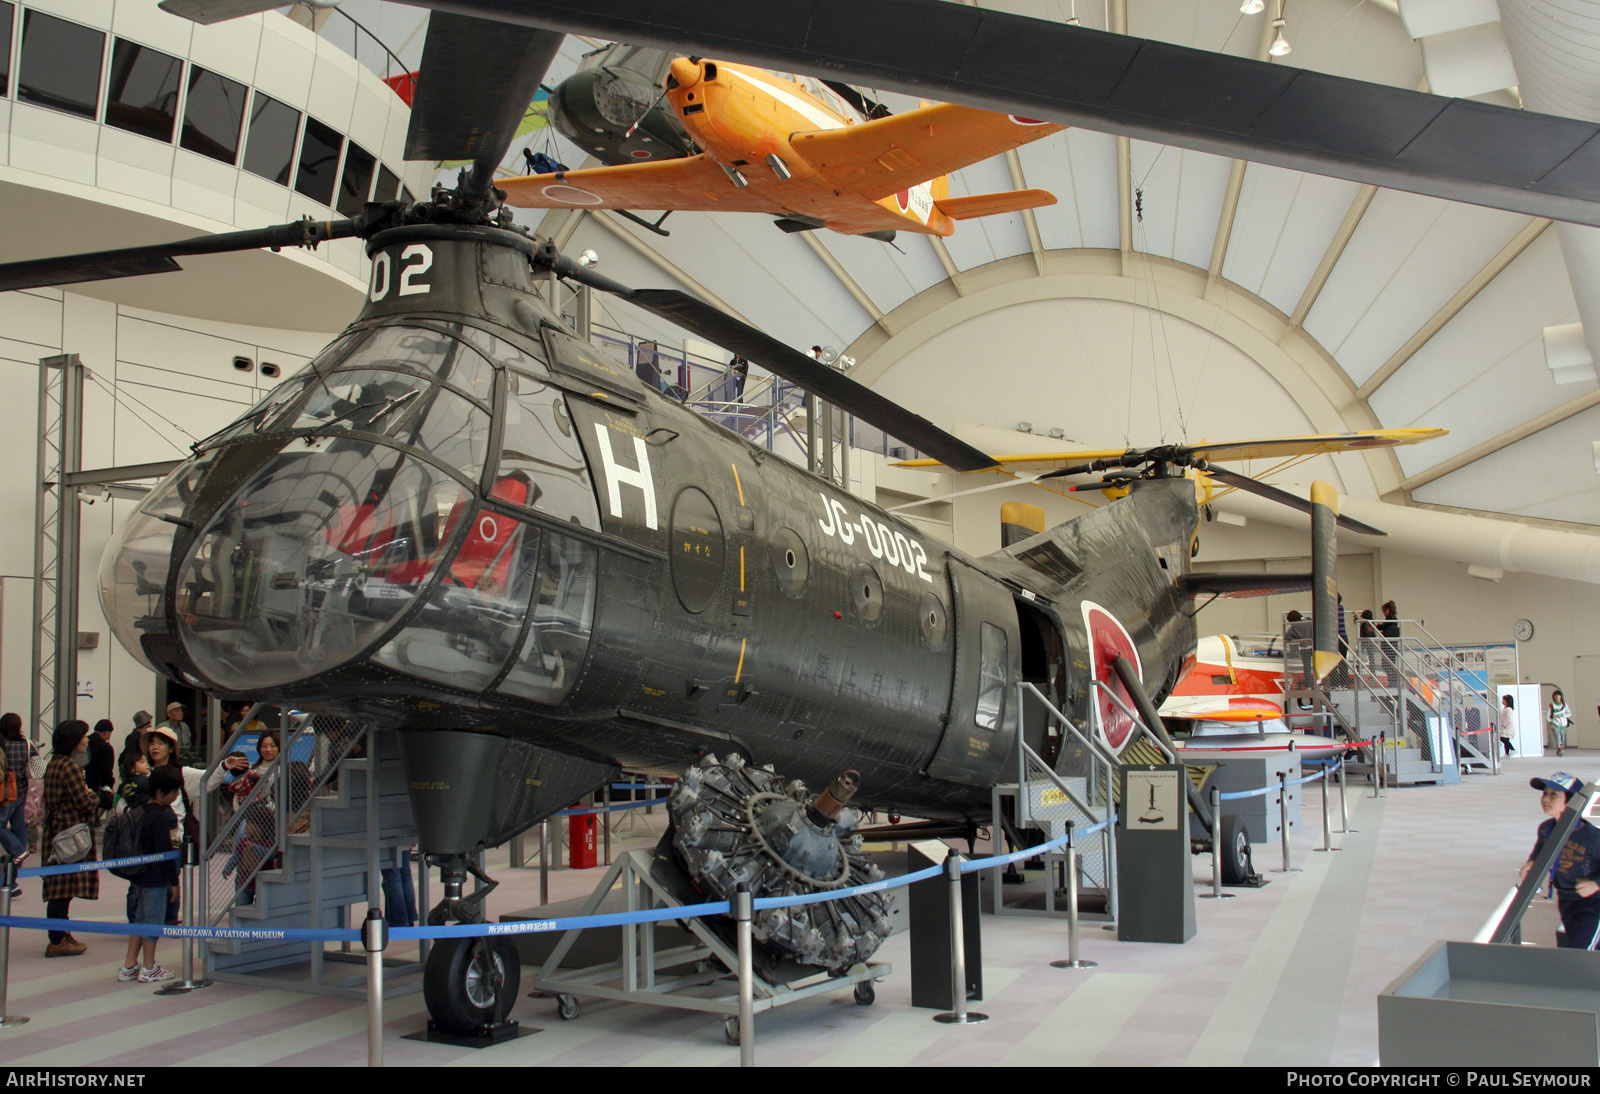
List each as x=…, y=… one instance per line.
x=579, y=922
x=1031, y=852
x=95, y=864
x=1235, y=795
x=149, y=930
x=589, y=812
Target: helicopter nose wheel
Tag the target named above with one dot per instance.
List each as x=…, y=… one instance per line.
x=470, y=984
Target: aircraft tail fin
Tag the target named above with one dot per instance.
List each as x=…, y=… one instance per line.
x=985, y=205
x=1019, y=521
x=1324, y=579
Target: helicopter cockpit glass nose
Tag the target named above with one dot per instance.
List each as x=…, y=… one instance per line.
x=133, y=574
x=311, y=561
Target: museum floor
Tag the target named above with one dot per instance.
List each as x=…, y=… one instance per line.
x=1287, y=974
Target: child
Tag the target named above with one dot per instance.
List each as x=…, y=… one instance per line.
x=158, y=830
x=1575, y=872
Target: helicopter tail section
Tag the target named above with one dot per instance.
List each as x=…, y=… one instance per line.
x=1324, y=579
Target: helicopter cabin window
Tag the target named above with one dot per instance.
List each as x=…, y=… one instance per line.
x=143, y=93
x=319, y=161
x=557, y=636
x=539, y=445
x=356, y=181
x=454, y=430
x=469, y=622
x=213, y=115
x=60, y=64
x=991, y=677
x=269, y=148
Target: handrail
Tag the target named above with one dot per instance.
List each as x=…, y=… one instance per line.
x=1138, y=723
x=1101, y=753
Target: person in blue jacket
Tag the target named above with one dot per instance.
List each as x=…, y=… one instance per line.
x=1575, y=871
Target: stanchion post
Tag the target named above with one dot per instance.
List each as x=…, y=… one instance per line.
x=191, y=864
x=1072, y=961
x=1283, y=821
x=1344, y=811
x=959, y=1016
x=544, y=862
x=1383, y=763
x=1327, y=817
x=375, y=938
x=605, y=819
x=8, y=878
x=743, y=912
x=1216, y=893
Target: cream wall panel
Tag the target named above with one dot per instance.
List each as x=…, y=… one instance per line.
x=333, y=86
x=52, y=143
x=230, y=48
x=16, y=644
x=89, y=329
x=31, y=318
x=260, y=202
x=5, y=130
x=148, y=25
x=174, y=380
x=19, y=421
x=91, y=13
x=134, y=165
x=175, y=349
x=369, y=117
x=202, y=185
x=284, y=64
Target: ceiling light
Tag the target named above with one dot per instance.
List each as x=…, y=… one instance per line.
x=1280, y=45
x=1253, y=7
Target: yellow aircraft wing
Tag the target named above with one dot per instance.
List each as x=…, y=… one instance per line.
x=690, y=184
x=1270, y=448
x=881, y=157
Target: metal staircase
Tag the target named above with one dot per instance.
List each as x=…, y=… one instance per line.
x=1411, y=690
x=315, y=863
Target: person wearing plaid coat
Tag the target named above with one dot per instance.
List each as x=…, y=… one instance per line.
x=67, y=801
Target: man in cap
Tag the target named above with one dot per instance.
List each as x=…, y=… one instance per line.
x=1575, y=872
x=176, y=723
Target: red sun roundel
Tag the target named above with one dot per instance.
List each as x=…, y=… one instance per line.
x=1108, y=639
x=902, y=198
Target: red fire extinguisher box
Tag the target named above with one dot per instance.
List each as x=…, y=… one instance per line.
x=582, y=850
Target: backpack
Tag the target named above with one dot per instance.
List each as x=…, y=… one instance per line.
x=122, y=841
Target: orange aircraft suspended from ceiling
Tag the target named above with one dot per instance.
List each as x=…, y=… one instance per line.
x=792, y=148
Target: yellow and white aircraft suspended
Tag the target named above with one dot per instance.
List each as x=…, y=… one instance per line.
x=793, y=148
x=1033, y=467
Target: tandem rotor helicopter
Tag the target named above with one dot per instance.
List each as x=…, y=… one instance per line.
x=463, y=523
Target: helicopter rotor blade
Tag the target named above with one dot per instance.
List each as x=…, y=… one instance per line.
x=477, y=78
x=158, y=257
x=1293, y=501
x=215, y=11
x=779, y=359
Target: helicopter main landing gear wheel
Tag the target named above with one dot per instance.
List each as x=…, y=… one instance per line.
x=470, y=984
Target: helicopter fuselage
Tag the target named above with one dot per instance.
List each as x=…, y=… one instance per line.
x=464, y=523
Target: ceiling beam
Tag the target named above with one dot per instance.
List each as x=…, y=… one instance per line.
x=1020, y=182
x=1511, y=436
x=1330, y=257
x=563, y=235
x=950, y=270
x=851, y=285
x=617, y=228
x=1452, y=307
x=1230, y=200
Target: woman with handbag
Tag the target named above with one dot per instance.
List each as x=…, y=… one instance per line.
x=68, y=803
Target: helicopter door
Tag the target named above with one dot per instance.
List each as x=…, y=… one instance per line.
x=982, y=726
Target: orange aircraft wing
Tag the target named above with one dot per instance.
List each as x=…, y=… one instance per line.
x=691, y=184
x=878, y=158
